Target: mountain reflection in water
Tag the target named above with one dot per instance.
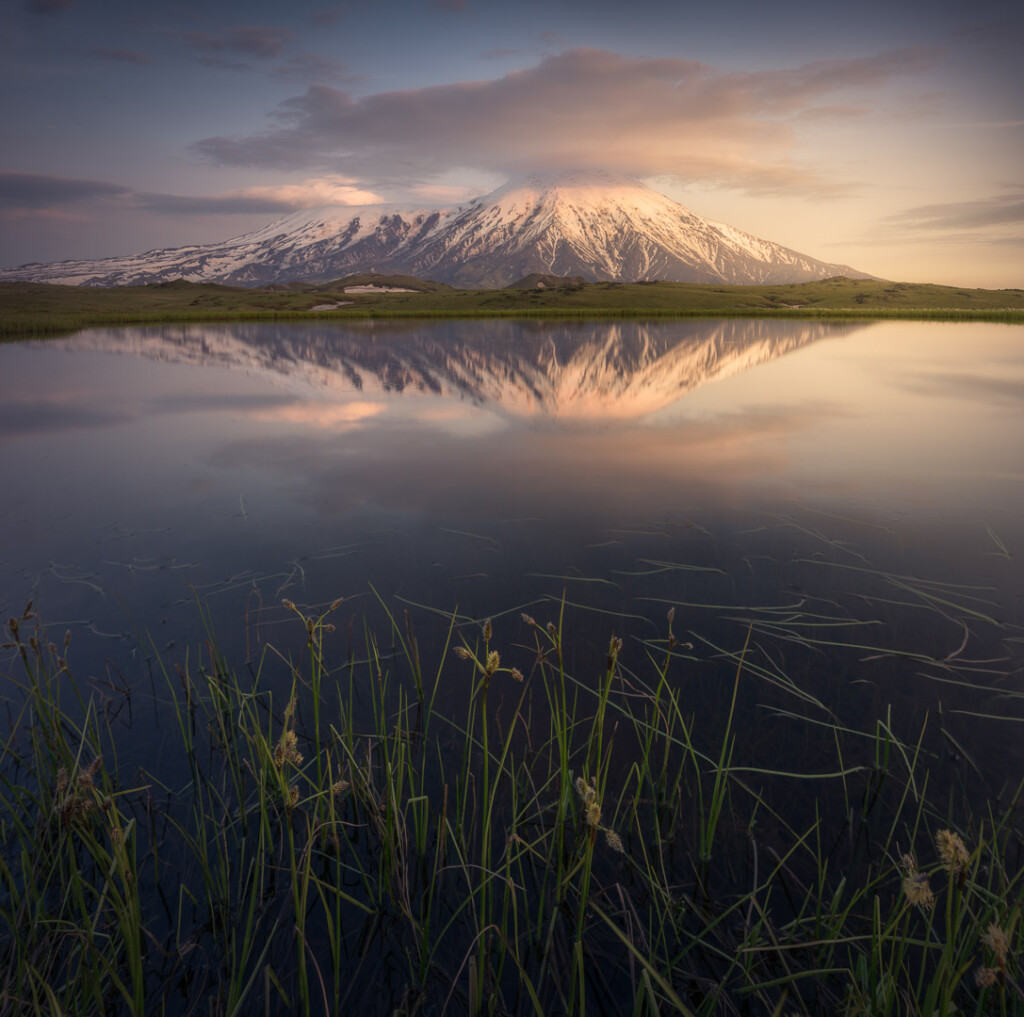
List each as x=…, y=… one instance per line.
x=593, y=374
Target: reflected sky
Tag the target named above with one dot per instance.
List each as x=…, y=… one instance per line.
x=412, y=415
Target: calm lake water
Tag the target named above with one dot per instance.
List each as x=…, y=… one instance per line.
x=480, y=466
x=841, y=505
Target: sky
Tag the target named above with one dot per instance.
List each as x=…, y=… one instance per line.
x=884, y=135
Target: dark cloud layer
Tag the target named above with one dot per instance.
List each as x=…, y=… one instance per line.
x=582, y=108
x=35, y=191
x=27, y=192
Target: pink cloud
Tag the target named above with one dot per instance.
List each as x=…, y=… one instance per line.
x=582, y=108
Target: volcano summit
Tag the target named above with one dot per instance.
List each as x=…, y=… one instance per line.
x=597, y=226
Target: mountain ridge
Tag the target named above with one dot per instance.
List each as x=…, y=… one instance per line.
x=597, y=226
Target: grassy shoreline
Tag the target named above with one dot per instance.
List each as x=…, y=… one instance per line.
x=37, y=309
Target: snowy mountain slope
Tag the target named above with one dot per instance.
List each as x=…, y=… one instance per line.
x=593, y=225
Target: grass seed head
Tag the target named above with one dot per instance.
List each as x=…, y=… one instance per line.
x=995, y=939
x=493, y=663
x=488, y=631
x=952, y=851
x=517, y=675
x=86, y=777
x=287, y=750
x=614, y=841
x=614, y=649
x=462, y=653
x=591, y=806
x=918, y=890
x=984, y=978
x=585, y=791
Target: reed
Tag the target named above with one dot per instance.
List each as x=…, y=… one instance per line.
x=322, y=834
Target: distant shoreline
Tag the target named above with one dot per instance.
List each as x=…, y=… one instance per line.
x=28, y=309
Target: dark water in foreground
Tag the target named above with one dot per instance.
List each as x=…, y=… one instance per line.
x=482, y=466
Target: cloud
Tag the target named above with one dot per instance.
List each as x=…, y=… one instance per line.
x=36, y=191
x=49, y=6
x=124, y=56
x=250, y=40
x=224, y=63
x=1000, y=210
x=26, y=194
x=306, y=67
x=819, y=113
x=582, y=108
x=979, y=389
x=309, y=193
x=33, y=417
x=329, y=15
x=322, y=415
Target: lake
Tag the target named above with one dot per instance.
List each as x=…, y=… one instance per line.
x=832, y=513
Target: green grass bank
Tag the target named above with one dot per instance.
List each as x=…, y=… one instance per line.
x=37, y=309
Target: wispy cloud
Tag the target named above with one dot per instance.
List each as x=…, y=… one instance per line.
x=122, y=56
x=820, y=113
x=329, y=15
x=998, y=210
x=308, y=67
x=248, y=40
x=581, y=108
x=26, y=194
x=224, y=63
x=49, y=6
x=36, y=191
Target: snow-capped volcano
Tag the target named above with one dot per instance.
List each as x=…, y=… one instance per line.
x=597, y=226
